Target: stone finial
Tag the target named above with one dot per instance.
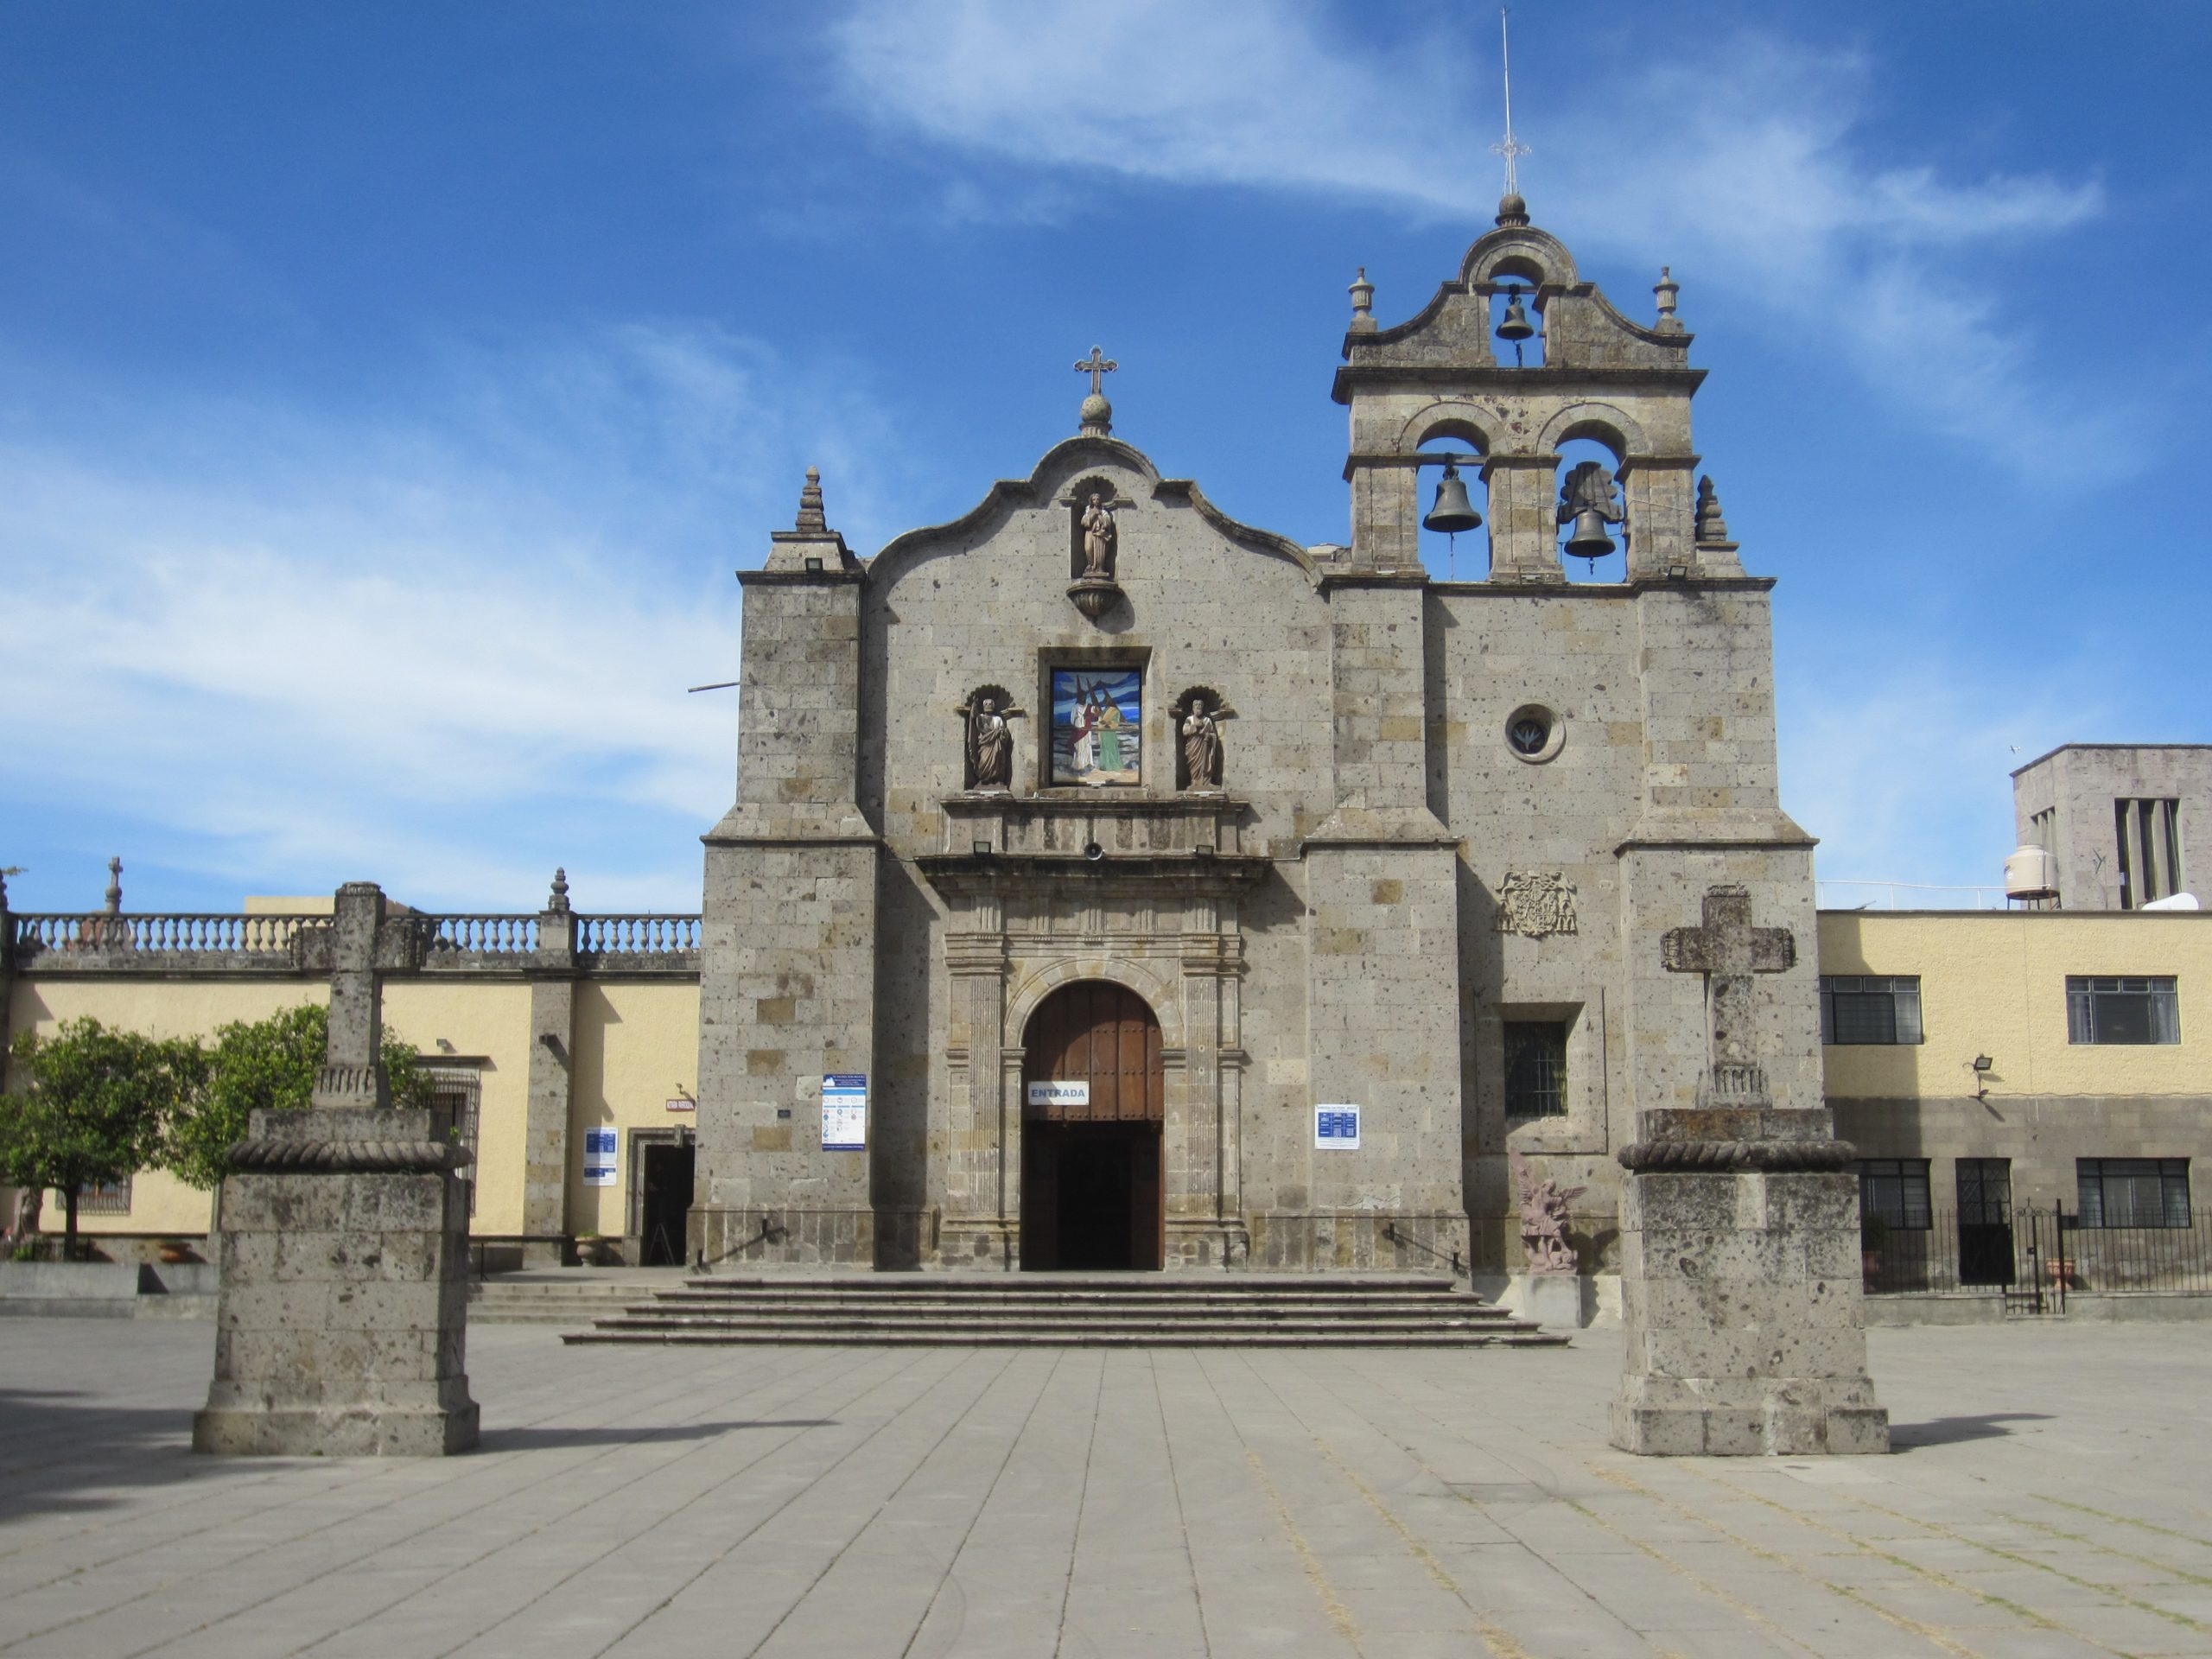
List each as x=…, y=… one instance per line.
x=1363, y=304
x=4, y=891
x=1667, y=288
x=1712, y=528
x=810, y=517
x=1512, y=209
x=1097, y=415
x=557, y=900
x=115, y=886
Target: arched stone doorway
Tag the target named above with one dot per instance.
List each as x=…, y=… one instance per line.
x=1093, y=1102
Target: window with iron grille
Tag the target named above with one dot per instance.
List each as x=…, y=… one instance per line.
x=2133, y=1191
x=1536, y=1068
x=1896, y=1189
x=2145, y=1010
x=457, y=1090
x=1985, y=1192
x=105, y=1197
x=1870, y=1009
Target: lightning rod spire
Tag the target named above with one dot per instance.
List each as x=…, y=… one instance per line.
x=1509, y=148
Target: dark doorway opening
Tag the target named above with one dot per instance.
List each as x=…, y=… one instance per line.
x=1093, y=1091
x=1090, y=1197
x=1986, y=1221
x=666, y=1200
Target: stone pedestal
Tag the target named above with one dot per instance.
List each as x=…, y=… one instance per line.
x=1740, y=1292
x=345, y=1288
x=1554, y=1300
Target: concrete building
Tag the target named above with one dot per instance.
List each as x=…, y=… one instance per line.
x=2118, y=819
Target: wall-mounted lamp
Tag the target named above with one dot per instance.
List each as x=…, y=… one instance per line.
x=553, y=1046
x=982, y=849
x=1982, y=1065
x=445, y=1046
x=814, y=567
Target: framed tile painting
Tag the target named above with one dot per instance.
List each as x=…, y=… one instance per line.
x=1097, y=713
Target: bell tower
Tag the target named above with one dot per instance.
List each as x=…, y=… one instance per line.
x=1577, y=368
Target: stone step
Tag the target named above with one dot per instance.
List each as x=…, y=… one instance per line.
x=1096, y=1301
x=1065, y=1311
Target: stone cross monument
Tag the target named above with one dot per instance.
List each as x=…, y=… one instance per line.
x=1740, y=1293
x=340, y=1327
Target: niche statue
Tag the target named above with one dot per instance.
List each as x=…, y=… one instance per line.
x=1197, y=722
x=1098, y=536
x=989, y=739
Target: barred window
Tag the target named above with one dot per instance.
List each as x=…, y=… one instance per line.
x=2144, y=1010
x=2133, y=1191
x=1536, y=1068
x=457, y=1090
x=105, y=1197
x=1870, y=1009
x=1896, y=1189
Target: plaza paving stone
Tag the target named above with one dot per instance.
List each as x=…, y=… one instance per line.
x=2051, y=1495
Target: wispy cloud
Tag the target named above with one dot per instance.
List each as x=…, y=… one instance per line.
x=1747, y=168
x=1908, y=780
x=445, y=651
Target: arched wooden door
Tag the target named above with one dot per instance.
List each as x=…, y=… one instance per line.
x=1094, y=1098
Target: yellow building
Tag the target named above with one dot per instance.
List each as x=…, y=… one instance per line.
x=568, y=1046
x=1994, y=1063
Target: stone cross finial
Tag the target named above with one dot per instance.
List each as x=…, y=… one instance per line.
x=810, y=503
x=1728, y=951
x=1095, y=366
x=557, y=900
x=1098, y=413
x=115, y=886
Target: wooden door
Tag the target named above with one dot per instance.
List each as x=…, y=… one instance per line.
x=1104, y=1036
x=1100, y=1034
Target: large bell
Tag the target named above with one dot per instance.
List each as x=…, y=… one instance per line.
x=1453, y=512
x=1516, y=327
x=1589, y=540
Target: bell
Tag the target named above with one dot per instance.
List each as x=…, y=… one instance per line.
x=1453, y=512
x=1516, y=327
x=1589, y=540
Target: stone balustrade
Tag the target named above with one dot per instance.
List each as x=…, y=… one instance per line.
x=156, y=940
x=104, y=944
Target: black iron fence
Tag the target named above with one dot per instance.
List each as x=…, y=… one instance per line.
x=2036, y=1256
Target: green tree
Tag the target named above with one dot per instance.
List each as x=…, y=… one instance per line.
x=92, y=1108
x=264, y=1064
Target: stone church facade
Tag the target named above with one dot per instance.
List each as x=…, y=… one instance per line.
x=1106, y=852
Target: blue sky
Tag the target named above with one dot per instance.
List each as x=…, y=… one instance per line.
x=387, y=393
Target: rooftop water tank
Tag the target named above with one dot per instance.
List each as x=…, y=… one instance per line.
x=2031, y=873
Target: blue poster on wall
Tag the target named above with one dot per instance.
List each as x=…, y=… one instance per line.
x=1097, y=715
x=599, y=1157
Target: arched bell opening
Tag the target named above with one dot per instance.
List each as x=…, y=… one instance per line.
x=1453, y=500
x=1094, y=1107
x=1591, y=508
x=1515, y=287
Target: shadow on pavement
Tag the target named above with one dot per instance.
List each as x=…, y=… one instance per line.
x=1949, y=1431
x=543, y=1439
